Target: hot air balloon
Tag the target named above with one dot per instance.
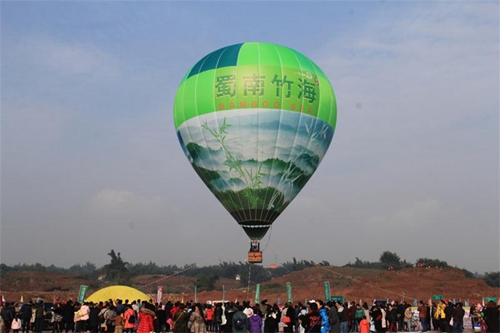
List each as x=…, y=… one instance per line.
x=255, y=120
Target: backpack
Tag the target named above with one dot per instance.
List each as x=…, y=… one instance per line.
x=131, y=319
x=239, y=324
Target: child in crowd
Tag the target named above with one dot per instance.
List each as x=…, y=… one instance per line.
x=16, y=324
x=364, y=325
x=118, y=323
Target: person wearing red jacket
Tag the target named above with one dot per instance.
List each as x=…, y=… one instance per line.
x=129, y=321
x=209, y=318
x=364, y=325
x=146, y=317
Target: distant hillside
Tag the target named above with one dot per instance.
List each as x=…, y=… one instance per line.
x=352, y=283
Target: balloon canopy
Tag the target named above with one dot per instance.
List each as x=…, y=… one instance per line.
x=117, y=292
x=255, y=120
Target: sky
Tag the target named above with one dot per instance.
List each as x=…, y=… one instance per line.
x=90, y=159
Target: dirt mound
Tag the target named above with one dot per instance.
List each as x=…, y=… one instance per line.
x=352, y=283
x=44, y=285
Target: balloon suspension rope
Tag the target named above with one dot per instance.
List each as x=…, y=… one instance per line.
x=176, y=273
x=268, y=237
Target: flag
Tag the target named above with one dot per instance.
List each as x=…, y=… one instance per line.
x=257, y=293
x=82, y=293
x=159, y=294
x=289, y=292
x=327, y=291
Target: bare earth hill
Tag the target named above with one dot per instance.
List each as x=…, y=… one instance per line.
x=352, y=283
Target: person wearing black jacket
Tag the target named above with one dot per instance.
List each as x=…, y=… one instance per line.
x=400, y=308
x=492, y=317
x=217, y=317
x=7, y=316
x=392, y=315
x=270, y=320
x=448, y=312
x=290, y=313
x=26, y=316
x=68, y=317
x=458, y=318
x=377, y=318
x=312, y=320
x=333, y=317
x=160, y=321
x=94, y=318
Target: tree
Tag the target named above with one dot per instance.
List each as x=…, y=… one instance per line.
x=206, y=281
x=492, y=279
x=390, y=259
x=431, y=262
x=116, y=271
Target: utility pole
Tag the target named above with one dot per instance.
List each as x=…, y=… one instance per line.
x=249, y=271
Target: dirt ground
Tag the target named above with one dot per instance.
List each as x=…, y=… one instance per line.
x=352, y=283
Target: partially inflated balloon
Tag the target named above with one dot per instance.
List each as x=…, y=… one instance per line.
x=255, y=120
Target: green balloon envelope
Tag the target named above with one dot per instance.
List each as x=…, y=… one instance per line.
x=255, y=120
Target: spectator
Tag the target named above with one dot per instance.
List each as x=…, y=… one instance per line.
x=491, y=316
x=422, y=315
x=180, y=319
x=197, y=319
x=255, y=322
x=145, y=320
x=16, y=324
x=312, y=320
x=323, y=313
x=270, y=320
x=458, y=319
x=364, y=325
x=25, y=312
x=333, y=317
x=239, y=321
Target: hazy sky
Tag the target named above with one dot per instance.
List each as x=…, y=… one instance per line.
x=90, y=160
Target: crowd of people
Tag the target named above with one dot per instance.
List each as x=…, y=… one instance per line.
x=228, y=317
